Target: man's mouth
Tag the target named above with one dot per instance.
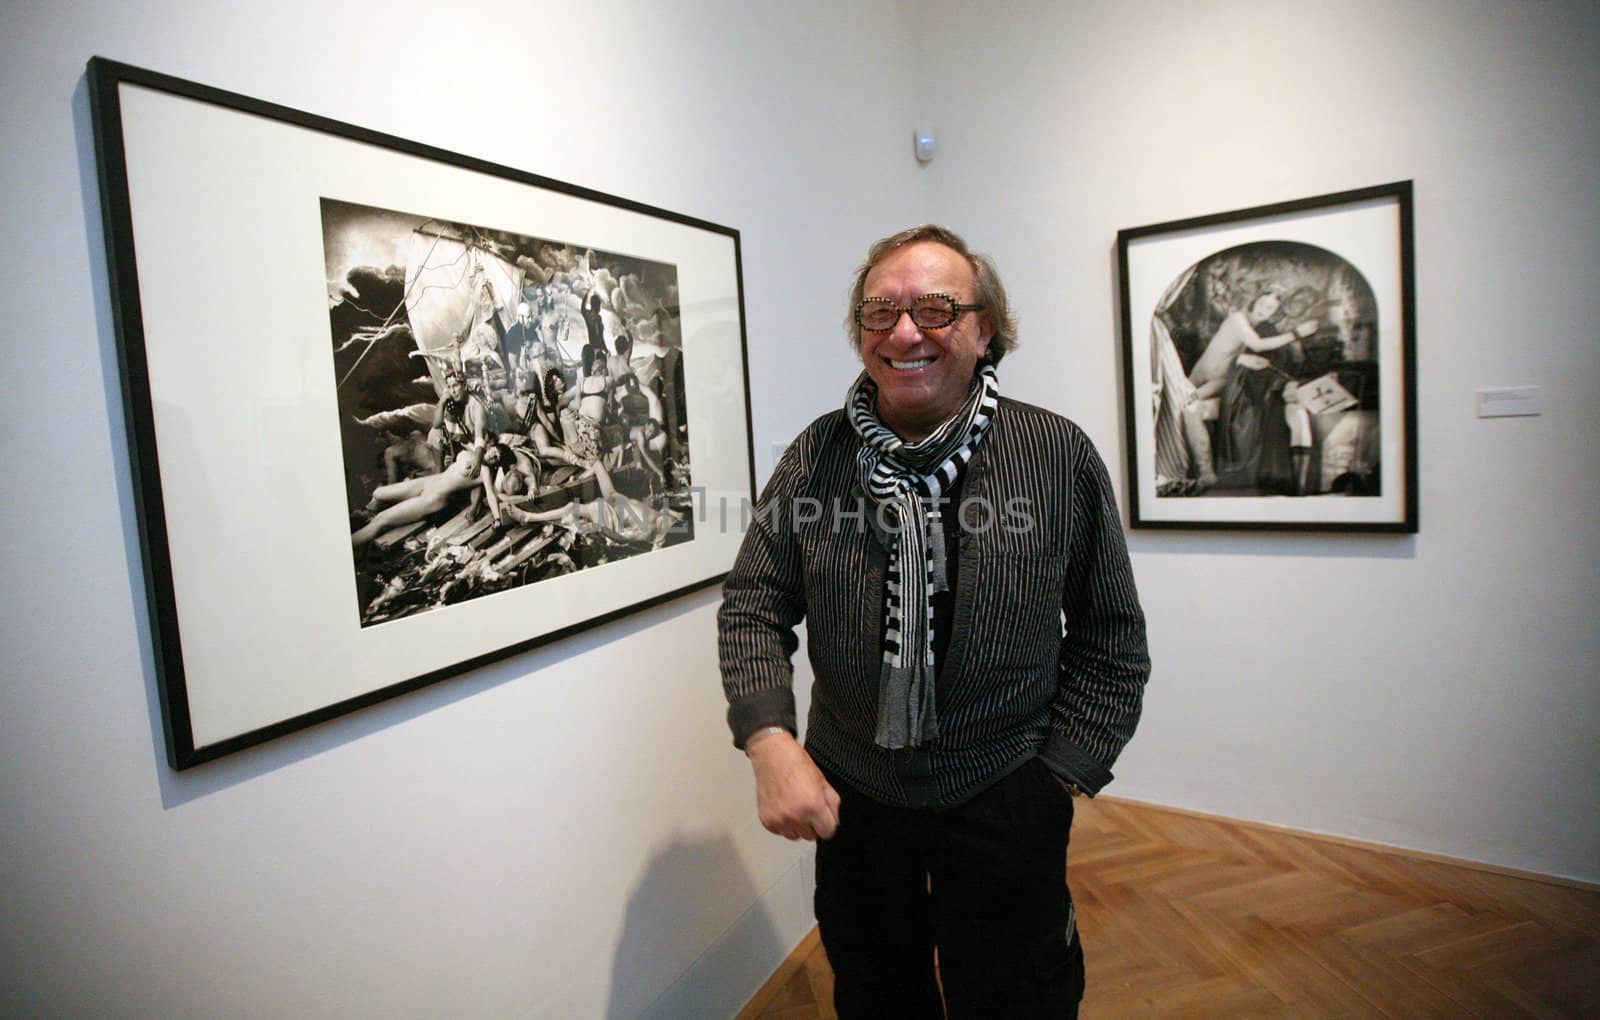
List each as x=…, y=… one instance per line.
x=910, y=366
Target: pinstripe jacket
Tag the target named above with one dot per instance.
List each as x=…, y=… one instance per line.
x=1041, y=546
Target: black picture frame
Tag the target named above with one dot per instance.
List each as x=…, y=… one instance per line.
x=1269, y=366
x=227, y=223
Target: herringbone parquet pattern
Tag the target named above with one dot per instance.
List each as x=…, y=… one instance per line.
x=1185, y=916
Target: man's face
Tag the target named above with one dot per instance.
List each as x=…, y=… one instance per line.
x=923, y=375
x=455, y=386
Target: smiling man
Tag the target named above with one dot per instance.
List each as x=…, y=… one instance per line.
x=920, y=346
x=977, y=642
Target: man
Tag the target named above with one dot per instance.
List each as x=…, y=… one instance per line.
x=460, y=422
x=522, y=341
x=640, y=409
x=620, y=365
x=594, y=320
x=953, y=713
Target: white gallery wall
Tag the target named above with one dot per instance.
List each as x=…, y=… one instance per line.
x=568, y=833
x=1438, y=692
x=565, y=834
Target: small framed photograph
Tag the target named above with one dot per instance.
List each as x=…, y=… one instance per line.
x=1269, y=360
x=395, y=412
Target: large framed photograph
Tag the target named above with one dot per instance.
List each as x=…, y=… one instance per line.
x=1270, y=366
x=396, y=412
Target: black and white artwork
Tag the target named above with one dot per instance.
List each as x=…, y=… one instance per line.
x=512, y=408
x=447, y=414
x=1270, y=366
x=1268, y=384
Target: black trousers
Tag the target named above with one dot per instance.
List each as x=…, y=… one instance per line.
x=983, y=883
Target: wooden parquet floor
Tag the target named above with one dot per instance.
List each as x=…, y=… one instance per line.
x=1188, y=916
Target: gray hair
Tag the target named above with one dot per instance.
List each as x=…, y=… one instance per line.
x=991, y=292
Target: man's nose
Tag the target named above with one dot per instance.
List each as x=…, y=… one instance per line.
x=905, y=331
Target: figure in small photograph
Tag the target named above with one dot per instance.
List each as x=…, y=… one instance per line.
x=412, y=500
x=617, y=517
x=460, y=422
x=1237, y=335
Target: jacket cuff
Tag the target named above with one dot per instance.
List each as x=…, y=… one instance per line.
x=763, y=708
x=1069, y=761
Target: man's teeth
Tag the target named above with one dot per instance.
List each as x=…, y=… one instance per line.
x=911, y=364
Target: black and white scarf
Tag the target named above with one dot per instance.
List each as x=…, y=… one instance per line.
x=902, y=480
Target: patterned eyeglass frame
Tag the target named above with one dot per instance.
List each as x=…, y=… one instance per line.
x=956, y=308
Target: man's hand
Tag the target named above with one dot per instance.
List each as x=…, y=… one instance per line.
x=793, y=798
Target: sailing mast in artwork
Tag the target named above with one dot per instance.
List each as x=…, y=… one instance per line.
x=461, y=298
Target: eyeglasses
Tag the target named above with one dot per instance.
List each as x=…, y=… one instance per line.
x=929, y=311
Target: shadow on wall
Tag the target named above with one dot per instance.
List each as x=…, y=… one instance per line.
x=684, y=935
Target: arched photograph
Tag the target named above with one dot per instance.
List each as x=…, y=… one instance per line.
x=1268, y=357
x=1268, y=382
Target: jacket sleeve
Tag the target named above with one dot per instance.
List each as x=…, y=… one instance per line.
x=1104, y=661
x=763, y=600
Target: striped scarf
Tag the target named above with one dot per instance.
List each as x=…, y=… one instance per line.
x=902, y=480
